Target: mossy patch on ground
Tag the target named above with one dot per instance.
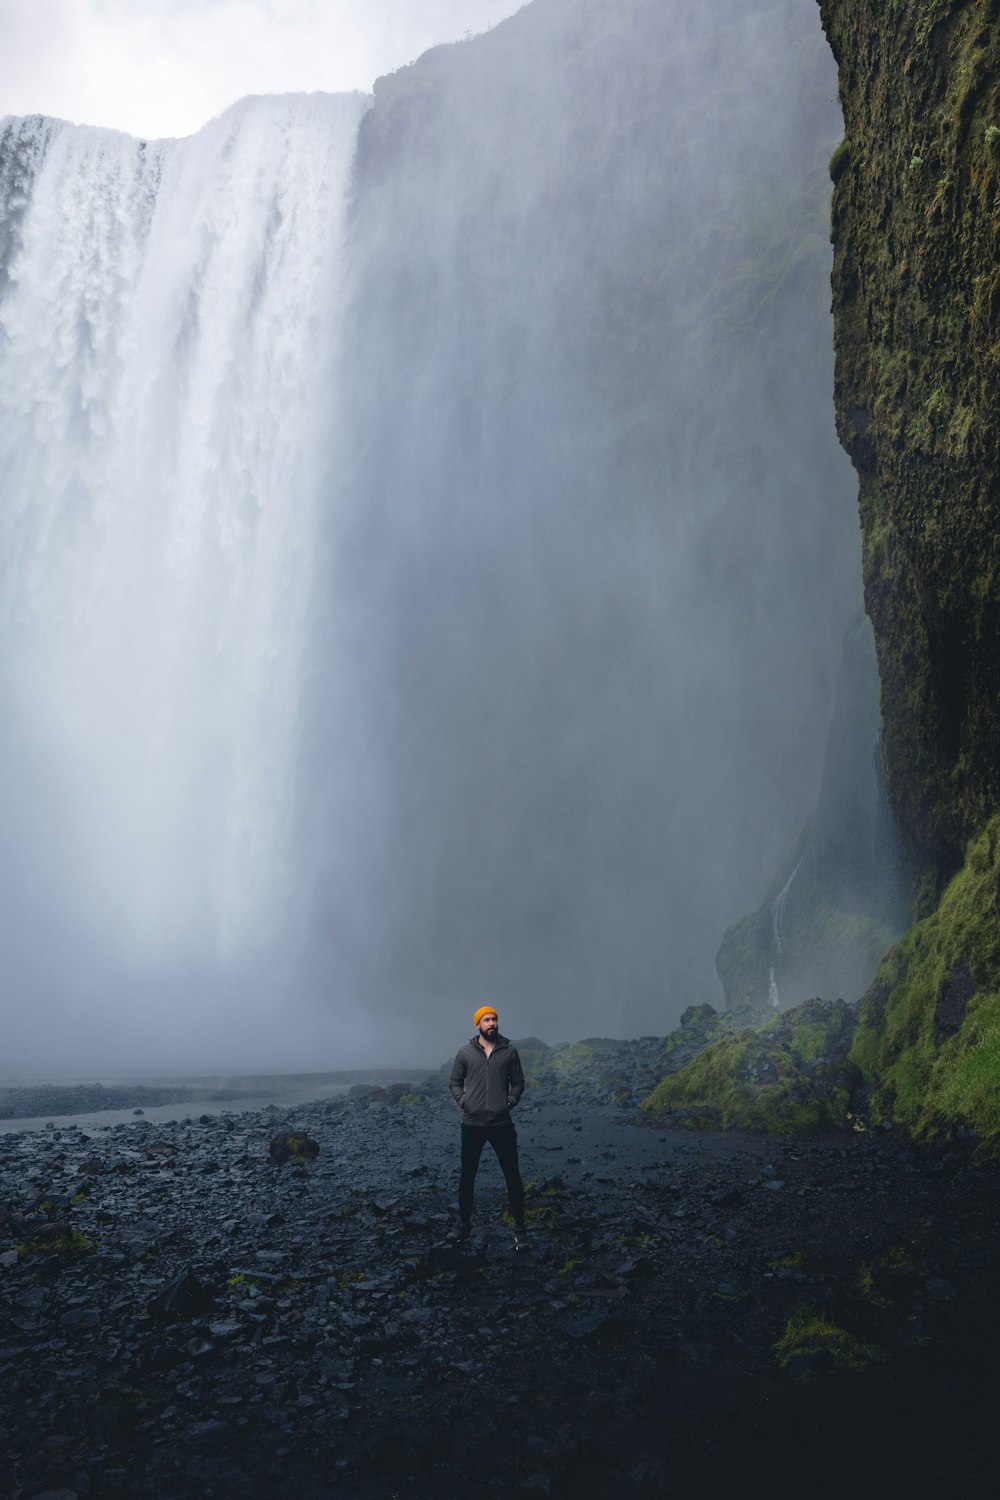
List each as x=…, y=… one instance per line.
x=56, y=1240
x=813, y=1344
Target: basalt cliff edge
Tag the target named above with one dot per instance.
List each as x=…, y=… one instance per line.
x=917, y=329
x=916, y=296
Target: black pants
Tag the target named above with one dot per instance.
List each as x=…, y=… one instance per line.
x=503, y=1139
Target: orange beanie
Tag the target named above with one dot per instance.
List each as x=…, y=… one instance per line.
x=484, y=1010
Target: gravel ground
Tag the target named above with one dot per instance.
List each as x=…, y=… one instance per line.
x=182, y=1318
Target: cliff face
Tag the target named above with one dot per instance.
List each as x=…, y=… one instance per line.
x=917, y=315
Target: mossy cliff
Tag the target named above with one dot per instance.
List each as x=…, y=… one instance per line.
x=917, y=332
x=916, y=296
x=928, y=1034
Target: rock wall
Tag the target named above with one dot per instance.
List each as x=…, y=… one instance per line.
x=917, y=315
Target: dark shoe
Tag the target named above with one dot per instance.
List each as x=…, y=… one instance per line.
x=521, y=1241
x=464, y=1231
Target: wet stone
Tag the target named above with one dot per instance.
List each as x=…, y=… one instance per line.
x=366, y=1355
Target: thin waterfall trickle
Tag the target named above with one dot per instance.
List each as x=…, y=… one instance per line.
x=167, y=341
x=777, y=914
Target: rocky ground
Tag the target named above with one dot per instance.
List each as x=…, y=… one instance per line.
x=182, y=1318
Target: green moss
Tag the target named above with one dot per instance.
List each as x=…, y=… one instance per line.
x=810, y=1331
x=840, y=161
x=793, y=1262
x=293, y=1146
x=67, y=1244
x=790, y=1077
x=347, y=1279
x=927, y=895
x=917, y=334
x=809, y=1041
x=543, y=1216
x=967, y=1082
x=881, y=1277
x=928, y=1033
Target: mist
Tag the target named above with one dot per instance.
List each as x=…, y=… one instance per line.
x=424, y=546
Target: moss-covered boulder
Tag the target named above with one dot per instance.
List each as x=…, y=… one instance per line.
x=791, y=1076
x=623, y=1071
x=928, y=1034
x=292, y=1146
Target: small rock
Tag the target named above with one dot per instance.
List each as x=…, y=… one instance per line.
x=583, y=1327
x=940, y=1290
x=809, y=1362
x=225, y=1330
x=292, y=1145
x=184, y=1297
x=81, y=1317
x=206, y=1434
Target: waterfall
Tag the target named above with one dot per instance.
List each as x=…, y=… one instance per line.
x=777, y=915
x=168, y=316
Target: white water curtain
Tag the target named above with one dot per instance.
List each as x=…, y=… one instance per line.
x=167, y=338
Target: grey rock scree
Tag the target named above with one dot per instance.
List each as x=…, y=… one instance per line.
x=183, y=1318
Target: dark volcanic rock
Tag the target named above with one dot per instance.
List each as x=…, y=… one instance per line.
x=917, y=389
x=331, y=1316
x=292, y=1145
x=183, y=1297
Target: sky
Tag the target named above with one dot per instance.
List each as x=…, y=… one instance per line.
x=165, y=67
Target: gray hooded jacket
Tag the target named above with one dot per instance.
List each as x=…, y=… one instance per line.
x=487, y=1088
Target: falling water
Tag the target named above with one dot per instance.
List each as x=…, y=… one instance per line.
x=167, y=337
x=777, y=915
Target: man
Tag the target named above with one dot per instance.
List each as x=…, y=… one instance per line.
x=487, y=1080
